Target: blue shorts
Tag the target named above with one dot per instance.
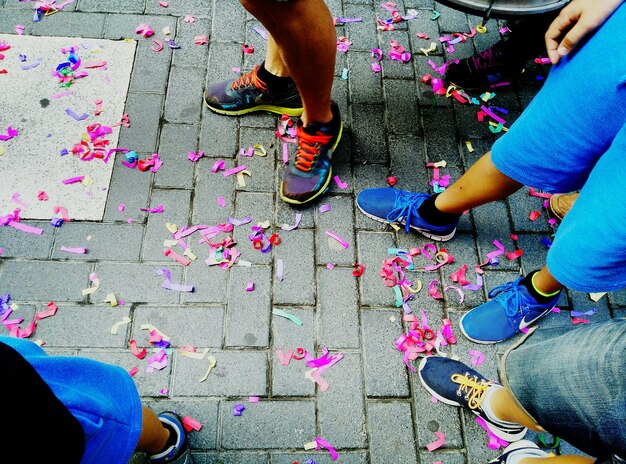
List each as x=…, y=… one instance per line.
x=572, y=383
x=573, y=137
x=101, y=396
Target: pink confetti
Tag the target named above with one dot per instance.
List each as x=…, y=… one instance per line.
x=340, y=184
x=16, y=199
x=285, y=153
x=201, y=40
x=284, y=358
x=330, y=266
x=441, y=440
x=158, y=209
x=25, y=228
x=190, y=19
x=19, y=29
x=191, y=424
x=11, y=132
x=253, y=399
x=325, y=208
x=121, y=207
x=133, y=371
x=534, y=215
x=338, y=238
x=279, y=269
x=250, y=287
x=73, y=180
x=476, y=357
x=324, y=444
x=221, y=202
x=230, y=172
x=218, y=166
x=163, y=4
x=75, y=250
x=494, y=442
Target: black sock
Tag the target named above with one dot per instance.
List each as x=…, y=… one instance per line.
x=171, y=441
x=429, y=213
x=276, y=83
x=528, y=283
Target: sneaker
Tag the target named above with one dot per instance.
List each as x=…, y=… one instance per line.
x=456, y=384
x=248, y=93
x=484, y=69
x=520, y=450
x=179, y=452
x=560, y=204
x=311, y=171
x=512, y=309
x=390, y=205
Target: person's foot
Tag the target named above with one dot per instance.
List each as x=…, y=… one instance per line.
x=456, y=384
x=178, y=451
x=512, y=309
x=517, y=451
x=249, y=93
x=560, y=204
x=390, y=205
x=310, y=172
x=491, y=66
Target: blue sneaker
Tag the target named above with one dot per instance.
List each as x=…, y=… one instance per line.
x=456, y=384
x=521, y=449
x=511, y=310
x=179, y=452
x=392, y=205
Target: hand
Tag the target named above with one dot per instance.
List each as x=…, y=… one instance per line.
x=575, y=21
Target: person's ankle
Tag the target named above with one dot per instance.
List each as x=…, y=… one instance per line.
x=538, y=295
x=429, y=212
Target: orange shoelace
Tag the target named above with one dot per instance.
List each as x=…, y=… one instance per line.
x=308, y=148
x=249, y=79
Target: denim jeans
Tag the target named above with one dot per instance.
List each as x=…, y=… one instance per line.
x=572, y=382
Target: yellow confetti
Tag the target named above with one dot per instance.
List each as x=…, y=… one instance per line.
x=311, y=445
x=432, y=48
x=111, y=299
x=440, y=164
x=468, y=144
x=125, y=320
x=166, y=31
x=87, y=181
x=259, y=150
x=264, y=225
x=240, y=178
x=212, y=363
x=485, y=96
x=395, y=226
x=189, y=254
x=169, y=243
x=481, y=29
x=2, y=151
x=596, y=296
x=173, y=228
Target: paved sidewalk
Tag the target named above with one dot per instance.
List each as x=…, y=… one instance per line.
x=375, y=409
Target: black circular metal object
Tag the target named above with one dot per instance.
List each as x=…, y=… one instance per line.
x=505, y=9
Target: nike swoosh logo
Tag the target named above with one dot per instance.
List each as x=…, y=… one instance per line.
x=523, y=323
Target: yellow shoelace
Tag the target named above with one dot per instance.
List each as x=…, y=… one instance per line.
x=471, y=388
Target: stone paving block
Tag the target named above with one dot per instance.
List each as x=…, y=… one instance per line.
x=372, y=252
x=401, y=103
x=189, y=325
x=231, y=458
x=368, y=139
x=337, y=308
x=248, y=314
x=224, y=146
x=143, y=133
x=388, y=443
x=451, y=20
x=259, y=207
x=149, y=384
x=298, y=285
x=393, y=69
x=341, y=407
x=468, y=124
x=268, y=425
x=340, y=94
x=87, y=25
x=363, y=34
x=385, y=373
x=115, y=6
x=364, y=85
x=131, y=188
x=440, y=137
x=339, y=221
x=210, y=186
x=261, y=167
x=122, y=26
x=176, y=206
x=104, y=242
x=184, y=95
x=617, y=298
x=286, y=214
x=222, y=58
x=134, y=283
x=181, y=8
x=9, y=18
x=521, y=205
x=237, y=373
x=204, y=411
x=229, y=23
x=190, y=54
x=210, y=283
x=352, y=457
x=478, y=452
x=39, y=280
x=369, y=176
x=176, y=141
x=84, y=326
x=290, y=380
x=434, y=417
x=408, y=163
x=535, y=252
x=449, y=457
x=491, y=223
x=18, y=244
x=423, y=24
x=151, y=70
x=259, y=119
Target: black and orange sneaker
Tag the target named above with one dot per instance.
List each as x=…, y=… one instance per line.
x=249, y=93
x=308, y=176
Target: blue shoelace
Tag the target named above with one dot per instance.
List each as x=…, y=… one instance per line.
x=510, y=294
x=404, y=208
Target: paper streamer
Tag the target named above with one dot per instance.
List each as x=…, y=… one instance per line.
x=279, y=312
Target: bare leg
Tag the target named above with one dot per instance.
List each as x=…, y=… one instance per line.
x=506, y=409
x=564, y=459
x=304, y=37
x=482, y=183
x=153, y=435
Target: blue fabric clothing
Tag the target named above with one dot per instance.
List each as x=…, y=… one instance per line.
x=572, y=383
x=101, y=396
x=571, y=137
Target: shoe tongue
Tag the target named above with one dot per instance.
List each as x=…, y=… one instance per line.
x=314, y=127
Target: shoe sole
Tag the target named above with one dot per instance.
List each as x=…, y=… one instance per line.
x=271, y=108
x=497, y=432
x=424, y=232
x=322, y=189
x=518, y=446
